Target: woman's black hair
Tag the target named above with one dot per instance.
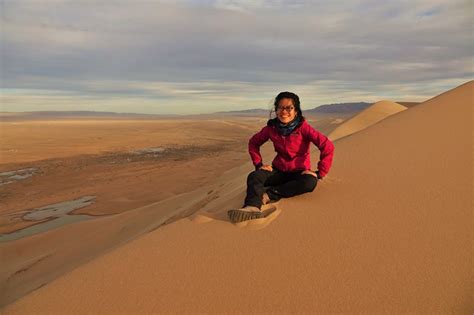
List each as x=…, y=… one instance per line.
x=293, y=97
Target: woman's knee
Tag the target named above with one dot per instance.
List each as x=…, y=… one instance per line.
x=258, y=175
x=309, y=182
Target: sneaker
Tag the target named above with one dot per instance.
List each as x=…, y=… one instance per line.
x=244, y=214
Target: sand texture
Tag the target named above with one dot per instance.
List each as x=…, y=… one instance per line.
x=389, y=230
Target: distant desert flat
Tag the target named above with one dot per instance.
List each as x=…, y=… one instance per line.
x=388, y=231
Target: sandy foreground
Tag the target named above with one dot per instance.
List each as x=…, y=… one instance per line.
x=129, y=194
x=388, y=231
x=77, y=158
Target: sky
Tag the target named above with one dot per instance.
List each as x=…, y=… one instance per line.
x=190, y=56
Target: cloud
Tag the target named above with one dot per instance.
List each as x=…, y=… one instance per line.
x=227, y=52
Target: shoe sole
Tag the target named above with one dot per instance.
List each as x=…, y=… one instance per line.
x=240, y=216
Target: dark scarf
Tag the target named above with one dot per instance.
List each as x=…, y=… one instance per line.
x=286, y=129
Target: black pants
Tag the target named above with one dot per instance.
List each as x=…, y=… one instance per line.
x=277, y=185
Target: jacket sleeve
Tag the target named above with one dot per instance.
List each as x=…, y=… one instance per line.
x=325, y=146
x=254, y=146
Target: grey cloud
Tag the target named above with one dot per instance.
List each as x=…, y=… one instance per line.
x=366, y=42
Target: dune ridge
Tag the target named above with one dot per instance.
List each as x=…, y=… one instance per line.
x=369, y=116
x=388, y=231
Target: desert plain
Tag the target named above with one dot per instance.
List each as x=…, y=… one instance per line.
x=387, y=231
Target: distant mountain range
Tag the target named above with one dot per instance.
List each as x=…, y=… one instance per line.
x=73, y=113
x=339, y=108
x=326, y=109
x=38, y=115
x=245, y=112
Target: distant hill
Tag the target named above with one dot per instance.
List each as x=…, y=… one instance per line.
x=245, y=112
x=72, y=113
x=339, y=108
x=4, y=116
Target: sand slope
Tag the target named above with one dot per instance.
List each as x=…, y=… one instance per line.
x=369, y=116
x=388, y=231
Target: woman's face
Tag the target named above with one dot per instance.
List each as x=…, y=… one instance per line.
x=286, y=110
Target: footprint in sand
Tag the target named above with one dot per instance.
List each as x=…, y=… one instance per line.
x=270, y=213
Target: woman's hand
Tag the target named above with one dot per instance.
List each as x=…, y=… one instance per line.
x=310, y=173
x=266, y=168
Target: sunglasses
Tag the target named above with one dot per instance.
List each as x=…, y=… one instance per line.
x=286, y=108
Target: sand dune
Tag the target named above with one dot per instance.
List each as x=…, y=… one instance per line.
x=388, y=231
x=369, y=116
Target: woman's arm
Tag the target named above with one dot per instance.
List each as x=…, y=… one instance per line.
x=325, y=146
x=254, y=146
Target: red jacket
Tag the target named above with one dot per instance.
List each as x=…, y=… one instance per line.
x=293, y=150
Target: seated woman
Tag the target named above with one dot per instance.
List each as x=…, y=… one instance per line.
x=290, y=173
